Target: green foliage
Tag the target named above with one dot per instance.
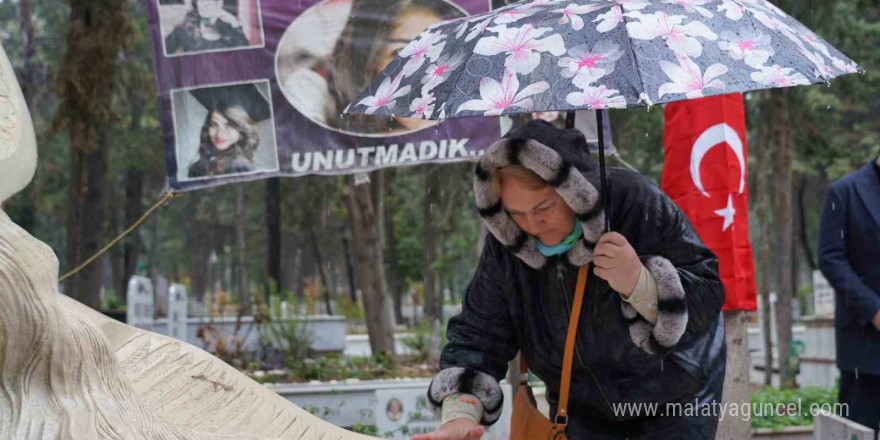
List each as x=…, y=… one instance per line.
x=424, y=338
x=292, y=337
x=766, y=401
x=360, y=428
x=335, y=367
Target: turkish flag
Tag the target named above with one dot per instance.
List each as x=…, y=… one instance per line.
x=705, y=174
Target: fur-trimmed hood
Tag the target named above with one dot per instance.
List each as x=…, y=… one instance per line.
x=561, y=157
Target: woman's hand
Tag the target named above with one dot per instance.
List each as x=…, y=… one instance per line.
x=457, y=429
x=617, y=263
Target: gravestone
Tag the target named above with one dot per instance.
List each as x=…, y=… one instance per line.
x=823, y=295
x=139, y=312
x=177, y=304
x=832, y=427
x=402, y=413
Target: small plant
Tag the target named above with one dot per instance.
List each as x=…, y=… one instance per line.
x=360, y=428
x=768, y=400
x=425, y=339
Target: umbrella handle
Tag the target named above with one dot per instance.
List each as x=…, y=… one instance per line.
x=605, y=201
x=604, y=192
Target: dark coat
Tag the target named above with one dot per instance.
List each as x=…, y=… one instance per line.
x=519, y=303
x=849, y=257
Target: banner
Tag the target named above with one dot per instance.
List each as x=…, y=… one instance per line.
x=705, y=174
x=250, y=89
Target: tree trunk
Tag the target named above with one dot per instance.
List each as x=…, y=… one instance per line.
x=781, y=142
x=395, y=284
x=349, y=268
x=244, y=293
x=320, y=264
x=363, y=207
x=97, y=32
x=273, y=237
x=762, y=200
x=736, y=378
x=429, y=242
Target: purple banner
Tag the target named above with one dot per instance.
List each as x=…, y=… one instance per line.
x=250, y=89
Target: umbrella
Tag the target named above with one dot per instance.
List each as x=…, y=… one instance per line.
x=546, y=55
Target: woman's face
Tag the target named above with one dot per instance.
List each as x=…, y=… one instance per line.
x=223, y=135
x=405, y=30
x=541, y=213
x=209, y=8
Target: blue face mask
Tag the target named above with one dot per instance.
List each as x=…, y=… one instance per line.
x=565, y=244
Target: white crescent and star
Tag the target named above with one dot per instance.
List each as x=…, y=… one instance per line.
x=713, y=136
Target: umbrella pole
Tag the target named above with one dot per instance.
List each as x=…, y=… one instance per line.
x=569, y=119
x=604, y=190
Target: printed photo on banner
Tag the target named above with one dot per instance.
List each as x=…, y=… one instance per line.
x=224, y=130
x=332, y=52
x=198, y=26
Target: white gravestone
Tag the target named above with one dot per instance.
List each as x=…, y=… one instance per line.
x=139, y=311
x=823, y=295
x=177, y=307
x=403, y=413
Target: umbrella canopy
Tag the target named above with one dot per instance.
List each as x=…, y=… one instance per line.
x=595, y=54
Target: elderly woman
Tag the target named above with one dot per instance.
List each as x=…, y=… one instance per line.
x=650, y=330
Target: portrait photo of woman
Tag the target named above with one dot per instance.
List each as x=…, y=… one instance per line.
x=225, y=130
x=198, y=26
x=324, y=62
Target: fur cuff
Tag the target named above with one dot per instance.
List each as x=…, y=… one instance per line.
x=570, y=184
x=672, y=314
x=466, y=380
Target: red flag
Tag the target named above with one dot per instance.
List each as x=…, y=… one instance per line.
x=705, y=174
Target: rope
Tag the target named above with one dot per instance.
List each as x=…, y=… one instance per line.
x=140, y=221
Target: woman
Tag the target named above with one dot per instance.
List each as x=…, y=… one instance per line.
x=649, y=329
x=227, y=143
x=206, y=27
x=376, y=31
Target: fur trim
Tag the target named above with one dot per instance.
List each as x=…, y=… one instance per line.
x=467, y=380
x=672, y=314
x=572, y=186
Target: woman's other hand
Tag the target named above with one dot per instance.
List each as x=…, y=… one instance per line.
x=458, y=429
x=617, y=263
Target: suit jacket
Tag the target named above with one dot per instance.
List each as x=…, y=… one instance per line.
x=849, y=257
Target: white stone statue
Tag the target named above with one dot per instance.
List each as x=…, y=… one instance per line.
x=68, y=372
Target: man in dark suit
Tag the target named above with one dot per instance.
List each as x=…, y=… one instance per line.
x=849, y=256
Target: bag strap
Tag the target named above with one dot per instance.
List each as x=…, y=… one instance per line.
x=562, y=407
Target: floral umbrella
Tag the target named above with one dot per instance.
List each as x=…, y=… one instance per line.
x=595, y=54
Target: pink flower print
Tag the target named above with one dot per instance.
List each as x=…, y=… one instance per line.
x=609, y=20
x=571, y=14
x=440, y=71
x=513, y=15
x=687, y=78
x=497, y=97
x=423, y=106
x=587, y=66
x=596, y=98
x=681, y=38
x=732, y=10
x=428, y=45
x=523, y=46
x=748, y=45
x=778, y=76
x=386, y=95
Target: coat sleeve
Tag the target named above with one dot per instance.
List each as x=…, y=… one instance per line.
x=690, y=292
x=859, y=300
x=481, y=339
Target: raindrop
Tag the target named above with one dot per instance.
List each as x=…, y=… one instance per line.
x=646, y=134
x=833, y=206
x=841, y=234
x=649, y=107
x=661, y=365
x=857, y=373
x=828, y=83
x=829, y=107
